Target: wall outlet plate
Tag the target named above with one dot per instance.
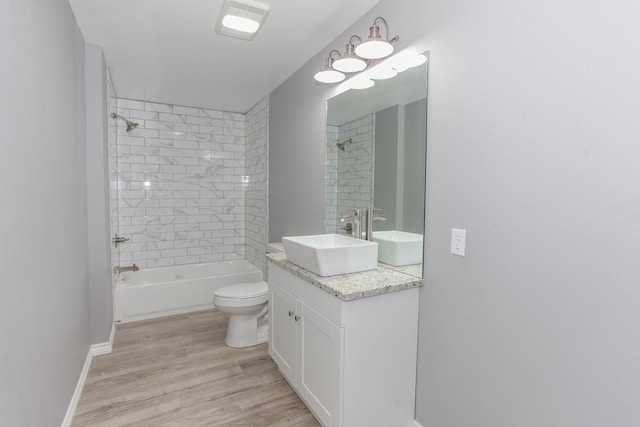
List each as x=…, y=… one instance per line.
x=458, y=241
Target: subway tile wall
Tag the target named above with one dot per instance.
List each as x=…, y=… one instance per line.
x=331, y=218
x=257, y=185
x=355, y=166
x=113, y=169
x=181, y=184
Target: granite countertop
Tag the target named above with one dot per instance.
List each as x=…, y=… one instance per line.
x=351, y=286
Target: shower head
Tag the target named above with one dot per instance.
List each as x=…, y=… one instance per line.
x=342, y=144
x=130, y=125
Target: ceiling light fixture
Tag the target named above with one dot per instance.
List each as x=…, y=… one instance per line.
x=376, y=47
x=354, y=62
x=241, y=18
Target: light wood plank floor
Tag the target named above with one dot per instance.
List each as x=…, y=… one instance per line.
x=177, y=371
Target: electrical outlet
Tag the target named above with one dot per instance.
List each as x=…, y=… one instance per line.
x=458, y=238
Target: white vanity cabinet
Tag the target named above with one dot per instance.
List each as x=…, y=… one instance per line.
x=352, y=362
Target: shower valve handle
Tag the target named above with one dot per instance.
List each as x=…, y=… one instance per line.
x=118, y=239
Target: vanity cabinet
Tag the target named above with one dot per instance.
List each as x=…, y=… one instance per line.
x=307, y=347
x=353, y=363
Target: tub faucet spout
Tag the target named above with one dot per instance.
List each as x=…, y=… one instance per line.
x=119, y=269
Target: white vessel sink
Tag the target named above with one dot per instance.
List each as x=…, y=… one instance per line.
x=398, y=247
x=331, y=254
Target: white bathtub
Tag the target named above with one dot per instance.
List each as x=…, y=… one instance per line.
x=164, y=291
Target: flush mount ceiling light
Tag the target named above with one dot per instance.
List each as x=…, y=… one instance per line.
x=241, y=18
x=376, y=47
x=352, y=61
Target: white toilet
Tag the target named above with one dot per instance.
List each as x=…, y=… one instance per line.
x=247, y=305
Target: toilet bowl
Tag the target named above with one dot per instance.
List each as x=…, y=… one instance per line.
x=246, y=303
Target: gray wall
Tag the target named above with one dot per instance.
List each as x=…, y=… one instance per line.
x=533, y=149
x=44, y=315
x=101, y=293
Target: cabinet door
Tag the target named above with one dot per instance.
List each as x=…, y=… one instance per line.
x=320, y=365
x=282, y=331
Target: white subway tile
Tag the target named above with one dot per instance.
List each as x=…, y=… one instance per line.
x=187, y=260
x=160, y=108
x=171, y=118
x=184, y=151
x=189, y=111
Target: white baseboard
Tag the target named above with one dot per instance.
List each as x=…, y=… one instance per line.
x=416, y=423
x=94, y=350
x=71, y=410
x=105, y=347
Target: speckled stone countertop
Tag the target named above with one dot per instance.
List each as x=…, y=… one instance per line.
x=351, y=286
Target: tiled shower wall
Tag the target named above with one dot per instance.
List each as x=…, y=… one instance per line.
x=331, y=219
x=113, y=168
x=256, y=224
x=181, y=184
x=355, y=166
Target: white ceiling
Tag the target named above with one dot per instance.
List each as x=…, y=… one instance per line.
x=167, y=50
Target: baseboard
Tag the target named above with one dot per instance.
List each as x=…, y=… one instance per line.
x=71, y=410
x=105, y=347
x=94, y=350
x=416, y=423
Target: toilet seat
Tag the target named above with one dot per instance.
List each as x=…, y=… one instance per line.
x=241, y=294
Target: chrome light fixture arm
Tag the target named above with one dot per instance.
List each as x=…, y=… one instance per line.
x=386, y=30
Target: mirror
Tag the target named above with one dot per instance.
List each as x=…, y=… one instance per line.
x=376, y=158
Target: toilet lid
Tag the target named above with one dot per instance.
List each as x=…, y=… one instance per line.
x=243, y=290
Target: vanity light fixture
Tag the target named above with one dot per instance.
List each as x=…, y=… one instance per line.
x=328, y=74
x=349, y=62
x=241, y=18
x=352, y=61
x=376, y=47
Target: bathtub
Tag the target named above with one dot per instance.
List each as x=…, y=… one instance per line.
x=163, y=291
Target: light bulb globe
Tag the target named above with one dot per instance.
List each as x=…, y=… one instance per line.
x=374, y=49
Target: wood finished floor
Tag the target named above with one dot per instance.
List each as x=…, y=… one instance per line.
x=177, y=371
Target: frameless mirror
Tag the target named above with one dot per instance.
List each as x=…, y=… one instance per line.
x=376, y=159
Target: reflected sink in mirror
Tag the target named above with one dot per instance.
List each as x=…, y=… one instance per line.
x=398, y=248
x=331, y=254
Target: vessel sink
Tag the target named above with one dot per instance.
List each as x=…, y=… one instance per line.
x=398, y=247
x=331, y=254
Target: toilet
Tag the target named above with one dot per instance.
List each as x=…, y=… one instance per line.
x=247, y=305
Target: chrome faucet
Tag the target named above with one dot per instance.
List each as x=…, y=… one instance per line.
x=373, y=216
x=356, y=219
x=119, y=269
